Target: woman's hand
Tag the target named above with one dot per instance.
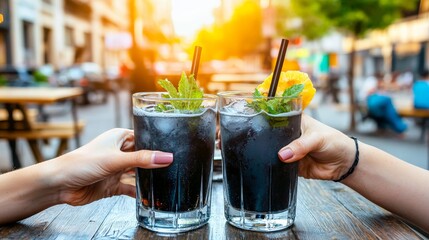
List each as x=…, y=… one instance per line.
x=103, y=168
x=325, y=153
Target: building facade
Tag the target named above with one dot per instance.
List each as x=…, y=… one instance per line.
x=60, y=32
x=5, y=39
x=402, y=47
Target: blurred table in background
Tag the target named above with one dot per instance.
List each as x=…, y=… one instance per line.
x=18, y=98
x=405, y=107
x=234, y=81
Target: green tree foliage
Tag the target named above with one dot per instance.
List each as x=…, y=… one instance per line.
x=236, y=37
x=353, y=17
x=311, y=24
x=358, y=17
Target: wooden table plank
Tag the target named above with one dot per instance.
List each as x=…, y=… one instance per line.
x=320, y=215
x=76, y=222
x=325, y=210
x=370, y=215
x=121, y=222
x=33, y=226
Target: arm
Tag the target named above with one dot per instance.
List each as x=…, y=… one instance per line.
x=395, y=185
x=24, y=192
x=96, y=170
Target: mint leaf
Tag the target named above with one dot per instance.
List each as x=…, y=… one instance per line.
x=187, y=88
x=162, y=108
x=195, y=104
x=257, y=94
x=272, y=106
x=276, y=105
x=169, y=87
x=293, y=91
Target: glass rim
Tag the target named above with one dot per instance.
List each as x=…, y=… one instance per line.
x=249, y=95
x=158, y=96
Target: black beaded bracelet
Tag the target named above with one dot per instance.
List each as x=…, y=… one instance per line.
x=352, y=168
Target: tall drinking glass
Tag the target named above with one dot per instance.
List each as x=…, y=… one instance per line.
x=259, y=190
x=176, y=198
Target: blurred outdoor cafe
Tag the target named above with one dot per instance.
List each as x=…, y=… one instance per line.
x=68, y=69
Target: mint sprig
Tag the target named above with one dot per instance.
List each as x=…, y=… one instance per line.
x=188, y=89
x=276, y=105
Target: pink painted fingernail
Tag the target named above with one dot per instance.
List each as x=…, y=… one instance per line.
x=162, y=158
x=285, y=154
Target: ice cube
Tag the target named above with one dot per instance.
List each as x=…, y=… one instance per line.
x=165, y=125
x=235, y=124
x=240, y=107
x=259, y=123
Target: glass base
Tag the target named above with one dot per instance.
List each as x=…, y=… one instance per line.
x=260, y=222
x=172, y=222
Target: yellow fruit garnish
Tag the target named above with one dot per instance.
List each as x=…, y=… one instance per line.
x=288, y=79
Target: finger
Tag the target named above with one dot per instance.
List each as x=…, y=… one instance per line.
x=130, y=171
x=143, y=159
x=300, y=147
x=116, y=135
x=128, y=178
x=127, y=143
x=126, y=189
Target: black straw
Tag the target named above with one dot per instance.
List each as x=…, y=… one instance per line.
x=278, y=68
x=196, y=61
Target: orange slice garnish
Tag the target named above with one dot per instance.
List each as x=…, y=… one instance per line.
x=288, y=79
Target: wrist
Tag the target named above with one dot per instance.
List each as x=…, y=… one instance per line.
x=361, y=168
x=48, y=184
x=350, y=168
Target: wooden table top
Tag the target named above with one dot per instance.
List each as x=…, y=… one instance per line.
x=325, y=210
x=40, y=95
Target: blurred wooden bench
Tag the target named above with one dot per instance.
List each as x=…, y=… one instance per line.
x=411, y=112
x=17, y=115
x=405, y=110
x=44, y=131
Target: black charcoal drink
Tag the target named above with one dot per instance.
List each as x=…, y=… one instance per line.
x=255, y=179
x=260, y=191
x=185, y=184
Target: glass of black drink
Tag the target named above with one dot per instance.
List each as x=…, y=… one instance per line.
x=176, y=198
x=260, y=190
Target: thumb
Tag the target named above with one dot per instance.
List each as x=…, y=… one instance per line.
x=300, y=147
x=143, y=159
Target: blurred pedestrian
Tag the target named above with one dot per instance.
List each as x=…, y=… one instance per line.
x=421, y=91
x=379, y=104
x=405, y=80
x=332, y=87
